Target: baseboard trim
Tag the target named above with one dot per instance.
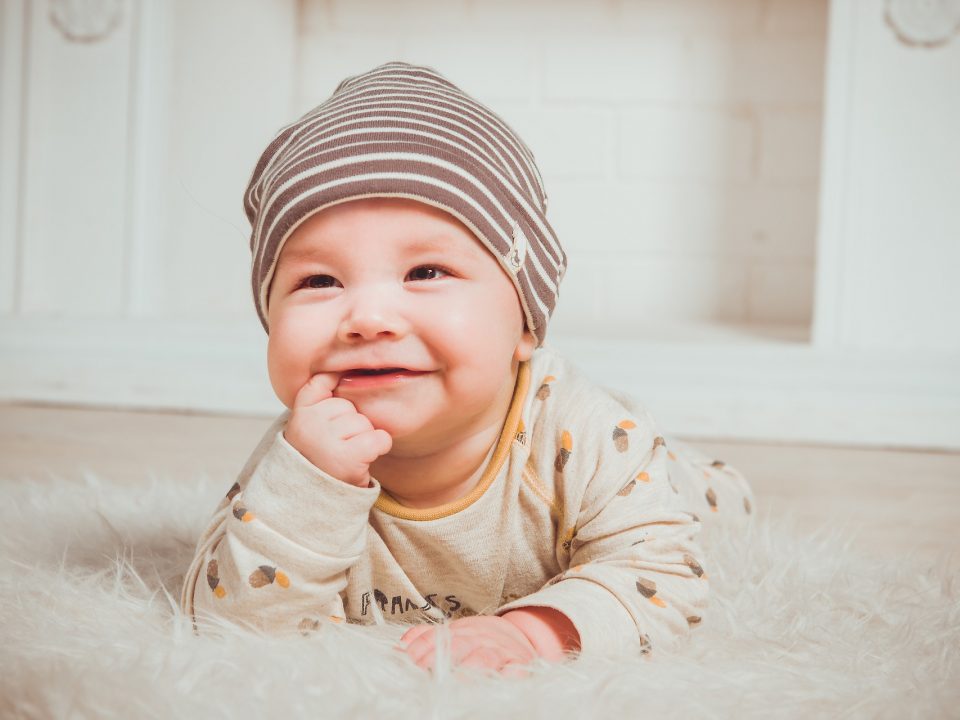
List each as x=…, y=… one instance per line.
x=777, y=390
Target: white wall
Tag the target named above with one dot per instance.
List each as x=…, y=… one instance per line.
x=679, y=140
x=890, y=237
x=682, y=136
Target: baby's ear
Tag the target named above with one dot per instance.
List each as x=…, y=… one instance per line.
x=525, y=347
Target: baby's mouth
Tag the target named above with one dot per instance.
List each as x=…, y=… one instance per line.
x=379, y=371
x=380, y=378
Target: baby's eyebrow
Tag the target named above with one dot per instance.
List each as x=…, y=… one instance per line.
x=289, y=256
x=431, y=242
x=415, y=245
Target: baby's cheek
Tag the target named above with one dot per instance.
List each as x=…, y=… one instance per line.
x=283, y=367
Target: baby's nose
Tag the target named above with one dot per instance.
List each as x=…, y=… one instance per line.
x=372, y=315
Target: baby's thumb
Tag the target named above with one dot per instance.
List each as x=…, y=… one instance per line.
x=317, y=388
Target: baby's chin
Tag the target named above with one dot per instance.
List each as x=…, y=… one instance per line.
x=400, y=428
x=407, y=428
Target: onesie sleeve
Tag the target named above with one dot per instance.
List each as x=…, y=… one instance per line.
x=276, y=552
x=633, y=579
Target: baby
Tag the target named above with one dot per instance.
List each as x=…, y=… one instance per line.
x=438, y=463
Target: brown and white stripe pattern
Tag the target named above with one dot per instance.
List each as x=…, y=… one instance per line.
x=402, y=130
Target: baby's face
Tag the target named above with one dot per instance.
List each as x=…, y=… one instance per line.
x=394, y=283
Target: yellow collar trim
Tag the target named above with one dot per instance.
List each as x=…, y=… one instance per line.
x=390, y=506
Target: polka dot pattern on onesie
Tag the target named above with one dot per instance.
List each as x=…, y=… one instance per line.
x=711, y=499
x=241, y=513
x=621, y=440
x=308, y=626
x=563, y=454
x=213, y=579
x=648, y=588
x=645, y=644
x=692, y=563
x=747, y=507
x=267, y=575
x=543, y=392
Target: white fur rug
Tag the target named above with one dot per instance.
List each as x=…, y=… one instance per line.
x=799, y=626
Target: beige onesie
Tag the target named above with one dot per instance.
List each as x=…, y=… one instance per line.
x=582, y=505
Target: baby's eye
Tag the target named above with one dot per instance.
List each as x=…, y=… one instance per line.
x=317, y=282
x=418, y=273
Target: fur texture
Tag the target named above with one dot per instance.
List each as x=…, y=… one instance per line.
x=800, y=625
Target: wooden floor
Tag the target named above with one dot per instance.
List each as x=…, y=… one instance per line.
x=892, y=500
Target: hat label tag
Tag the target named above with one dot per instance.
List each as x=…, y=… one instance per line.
x=519, y=250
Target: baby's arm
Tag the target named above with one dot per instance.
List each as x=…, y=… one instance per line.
x=634, y=578
x=276, y=553
x=548, y=630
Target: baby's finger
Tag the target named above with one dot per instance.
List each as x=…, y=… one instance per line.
x=350, y=425
x=514, y=670
x=420, y=646
x=368, y=446
x=425, y=660
x=318, y=387
x=504, y=634
x=424, y=657
x=484, y=656
x=335, y=407
x=416, y=631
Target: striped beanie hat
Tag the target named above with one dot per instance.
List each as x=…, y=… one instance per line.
x=402, y=130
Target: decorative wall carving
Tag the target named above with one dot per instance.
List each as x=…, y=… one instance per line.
x=925, y=23
x=86, y=21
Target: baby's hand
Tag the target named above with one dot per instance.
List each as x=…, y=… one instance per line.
x=480, y=641
x=329, y=432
